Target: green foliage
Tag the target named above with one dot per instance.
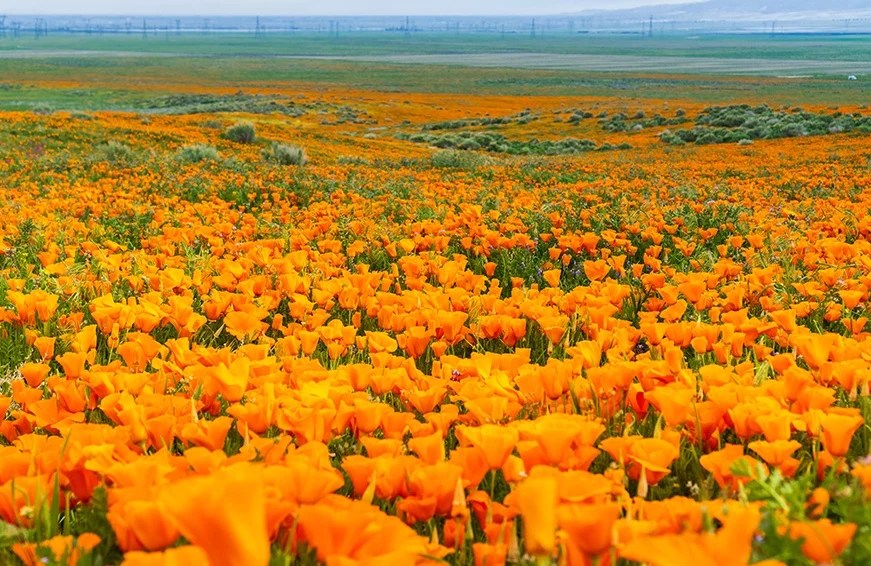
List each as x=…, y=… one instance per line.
x=197, y=153
x=523, y=117
x=283, y=154
x=743, y=123
x=43, y=109
x=115, y=153
x=786, y=499
x=210, y=103
x=622, y=123
x=91, y=518
x=497, y=143
x=462, y=160
x=128, y=229
x=577, y=115
x=241, y=132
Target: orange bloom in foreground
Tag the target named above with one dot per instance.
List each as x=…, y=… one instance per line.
x=730, y=546
x=589, y=528
x=224, y=513
x=181, y=556
x=536, y=498
x=823, y=541
x=343, y=531
x=60, y=547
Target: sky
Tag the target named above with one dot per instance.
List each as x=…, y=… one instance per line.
x=316, y=7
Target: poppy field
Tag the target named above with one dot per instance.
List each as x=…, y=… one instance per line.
x=307, y=324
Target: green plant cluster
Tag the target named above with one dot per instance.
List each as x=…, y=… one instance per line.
x=578, y=115
x=621, y=122
x=523, y=117
x=284, y=154
x=729, y=124
x=497, y=143
x=197, y=153
x=241, y=132
x=209, y=103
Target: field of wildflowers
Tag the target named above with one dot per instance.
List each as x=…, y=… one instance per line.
x=374, y=351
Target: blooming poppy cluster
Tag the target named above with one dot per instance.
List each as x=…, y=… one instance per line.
x=393, y=356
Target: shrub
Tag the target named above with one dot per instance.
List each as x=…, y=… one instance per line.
x=469, y=144
x=211, y=103
x=452, y=159
x=198, y=152
x=284, y=154
x=241, y=132
x=114, y=152
x=43, y=109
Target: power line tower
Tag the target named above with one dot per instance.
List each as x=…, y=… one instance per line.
x=2, y=26
x=144, y=29
x=257, y=31
x=532, y=28
x=177, y=26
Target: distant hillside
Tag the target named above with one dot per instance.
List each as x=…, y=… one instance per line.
x=749, y=10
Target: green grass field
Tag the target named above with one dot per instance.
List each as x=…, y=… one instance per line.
x=122, y=72
x=786, y=47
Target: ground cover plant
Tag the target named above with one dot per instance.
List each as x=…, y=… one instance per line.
x=735, y=123
x=324, y=342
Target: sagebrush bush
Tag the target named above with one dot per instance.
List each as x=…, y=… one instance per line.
x=43, y=109
x=198, y=152
x=727, y=124
x=241, y=132
x=453, y=159
x=114, y=152
x=284, y=154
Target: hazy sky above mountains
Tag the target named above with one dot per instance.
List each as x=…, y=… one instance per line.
x=317, y=7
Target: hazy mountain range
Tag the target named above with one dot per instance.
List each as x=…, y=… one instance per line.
x=748, y=10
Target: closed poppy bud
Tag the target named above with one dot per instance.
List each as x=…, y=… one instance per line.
x=455, y=532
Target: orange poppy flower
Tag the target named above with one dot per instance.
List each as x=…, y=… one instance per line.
x=837, y=432
x=497, y=442
x=60, y=548
x=778, y=454
x=589, y=527
x=822, y=540
x=181, y=556
x=223, y=513
x=536, y=499
x=596, y=270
